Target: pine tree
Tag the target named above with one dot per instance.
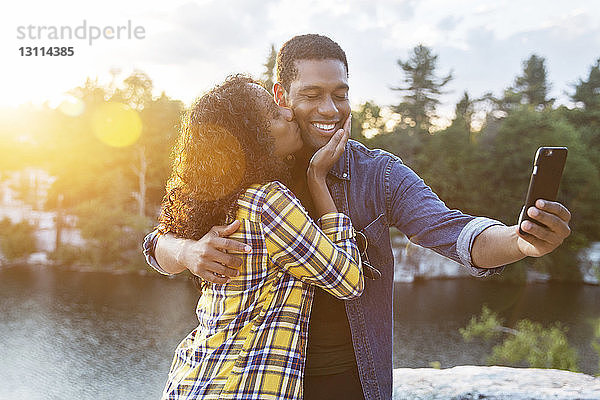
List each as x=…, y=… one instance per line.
x=588, y=92
x=464, y=111
x=532, y=87
x=422, y=89
x=267, y=79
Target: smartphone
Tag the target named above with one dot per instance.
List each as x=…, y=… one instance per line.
x=548, y=166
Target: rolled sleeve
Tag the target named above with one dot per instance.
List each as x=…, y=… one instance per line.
x=149, y=247
x=464, y=244
x=297, y=245
x=336, y=226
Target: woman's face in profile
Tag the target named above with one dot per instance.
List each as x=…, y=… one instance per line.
x=283, y=127
x=286, y=133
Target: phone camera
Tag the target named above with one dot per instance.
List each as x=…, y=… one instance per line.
x=548, y=153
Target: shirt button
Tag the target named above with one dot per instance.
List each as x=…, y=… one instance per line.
x=345, y=175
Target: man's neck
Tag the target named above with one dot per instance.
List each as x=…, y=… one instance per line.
x=299, y=179
x=303, y=157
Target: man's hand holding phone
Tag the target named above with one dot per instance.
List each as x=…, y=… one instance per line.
x=544, y=223
x=552, y=230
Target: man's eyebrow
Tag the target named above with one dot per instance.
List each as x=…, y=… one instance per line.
x=317, y=87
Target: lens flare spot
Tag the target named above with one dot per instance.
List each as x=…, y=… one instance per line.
x=116, y=124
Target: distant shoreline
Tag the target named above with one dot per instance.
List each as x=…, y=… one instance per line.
x=151, y=273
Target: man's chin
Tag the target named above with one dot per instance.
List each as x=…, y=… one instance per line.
x=316, y=143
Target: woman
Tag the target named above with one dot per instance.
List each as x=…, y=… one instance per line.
x=251, y=339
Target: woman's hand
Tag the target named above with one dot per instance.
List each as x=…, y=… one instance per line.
x=322, y=161
x=320, y=164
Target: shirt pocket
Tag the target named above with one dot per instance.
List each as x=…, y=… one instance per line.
x=373, y=232
x=374, y=229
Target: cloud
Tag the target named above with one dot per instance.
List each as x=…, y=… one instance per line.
x=210, y=31
x=449, y=23
x=490, y=63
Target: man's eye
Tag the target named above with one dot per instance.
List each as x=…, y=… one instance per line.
x=311, y=96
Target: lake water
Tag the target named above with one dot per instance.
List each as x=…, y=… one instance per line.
x=87, y=335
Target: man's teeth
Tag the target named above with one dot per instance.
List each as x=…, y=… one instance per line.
x=325, y=127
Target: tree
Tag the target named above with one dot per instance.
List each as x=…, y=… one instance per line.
x=137, y=92
x=114, y=192
x=112, y=233
x=421, y=90
x=588, y=92
x=464, y=111
x=531, y=87
x=367, y=121
x=267, y=79
x=161, y=120
x=586, y=117
x=529, y=342
x=17, y=241
x=446, y=159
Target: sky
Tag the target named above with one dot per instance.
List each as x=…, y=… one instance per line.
x=188, y=46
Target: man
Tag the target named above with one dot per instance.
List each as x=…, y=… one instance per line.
x=350, y=342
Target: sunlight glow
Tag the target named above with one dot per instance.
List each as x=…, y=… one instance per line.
x=71, y=106
x=116, y=124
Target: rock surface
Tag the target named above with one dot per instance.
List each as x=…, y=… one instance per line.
x=493, y=383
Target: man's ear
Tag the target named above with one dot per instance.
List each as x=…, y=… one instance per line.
x=279, y=94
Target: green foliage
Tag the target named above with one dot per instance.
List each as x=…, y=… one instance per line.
x=500, y=175
x=435, y=364
x=588, y=92
x=68, y=255
x=528, y=343
x=464, y=111
x=422, y=89
x=405, y=144
x=487, y=172
x=367, y=121
x=596, y=341
x=484, y=325
x=267, y=79
x=17, y=241
x=532, y=85
x=114, y=191
x=113, y=233
x=537, y=346
x=531, y=88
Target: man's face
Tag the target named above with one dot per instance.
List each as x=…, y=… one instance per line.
x=319, y=98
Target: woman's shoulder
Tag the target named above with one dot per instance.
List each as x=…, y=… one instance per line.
x=260, y=196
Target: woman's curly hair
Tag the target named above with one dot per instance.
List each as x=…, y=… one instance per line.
x=224, y=147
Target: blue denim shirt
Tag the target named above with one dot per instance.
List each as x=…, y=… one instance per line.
x=377, y=191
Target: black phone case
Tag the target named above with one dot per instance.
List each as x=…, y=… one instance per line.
x=548, y=167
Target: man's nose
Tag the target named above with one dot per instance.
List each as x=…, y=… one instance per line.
x=327, y=107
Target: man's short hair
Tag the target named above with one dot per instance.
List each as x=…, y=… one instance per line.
x=305, y=47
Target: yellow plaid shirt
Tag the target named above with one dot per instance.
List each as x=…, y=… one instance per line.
x=251, y=340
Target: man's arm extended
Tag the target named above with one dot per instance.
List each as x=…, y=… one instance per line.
x=500, y=245
x=205, y=257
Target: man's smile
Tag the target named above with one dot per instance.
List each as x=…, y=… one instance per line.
x=325, y=127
